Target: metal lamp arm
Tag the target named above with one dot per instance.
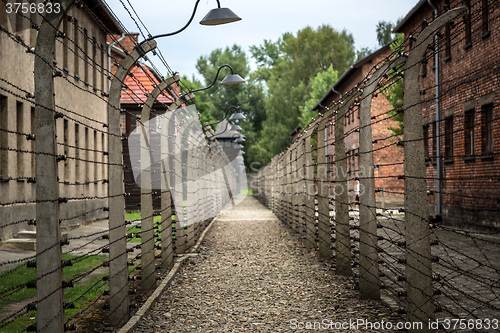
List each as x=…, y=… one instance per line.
x=225, y=116
x=216, y=77
x=181, y=29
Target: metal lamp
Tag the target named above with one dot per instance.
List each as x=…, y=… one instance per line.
x=220, y=16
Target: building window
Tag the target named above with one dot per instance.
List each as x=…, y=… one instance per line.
x=77, y=153
x=85, y=57
x=66, y=143
x=469, y=133
x=94, y=62
x=76, y=36
x=468, y=25
x=487, y=129
x=65, y=24
x=103, y=68
x=103, y=149
x=20, y=139
x=485, y=19
x=448, y=138
x=95, y=156
x=4, y=156
x=87, y=154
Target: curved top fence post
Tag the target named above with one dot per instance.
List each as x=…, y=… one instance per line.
x=420, y=307
x=369, y=281
x=148, y=277
x=50, y=315
x=118, y=273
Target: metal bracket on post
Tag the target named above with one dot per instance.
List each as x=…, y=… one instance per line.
x=369, y=277
x=50, y=295
x=118, y=272
x=420, y=307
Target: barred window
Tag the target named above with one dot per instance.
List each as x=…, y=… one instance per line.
x=487, y=129
x=469, y=133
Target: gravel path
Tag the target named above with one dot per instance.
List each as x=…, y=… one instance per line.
x=254, y=275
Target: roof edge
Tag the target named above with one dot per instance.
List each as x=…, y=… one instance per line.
x=348, y=73
x=100, y=5
x=412, y=12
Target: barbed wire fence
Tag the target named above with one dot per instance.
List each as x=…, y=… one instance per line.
x=421, y=267
x=73, y=278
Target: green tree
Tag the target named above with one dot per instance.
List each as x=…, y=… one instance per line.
x=395, y=92
x=214, y=102
x=287, y=67
x=384, y=33
x=363, y=53
x=319, y=86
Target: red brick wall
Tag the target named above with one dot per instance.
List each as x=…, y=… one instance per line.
x=389, y=158
x=470, y=78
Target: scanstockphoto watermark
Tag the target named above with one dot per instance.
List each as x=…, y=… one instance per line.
x=310, y=190
x=171, y=152
x=353, y=324
x=382, y=325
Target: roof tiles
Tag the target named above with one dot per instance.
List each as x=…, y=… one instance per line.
x=139, y=84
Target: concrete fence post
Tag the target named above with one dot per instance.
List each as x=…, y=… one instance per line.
x=342, y=228
x=309, y=191
x=167, y=250
x=301, y=193
x=289, y=188
x=118, y=272
x=324, y=227
x=50, y=294
x=148, y=277
x=420, y=307
x=167, y=147
x=294, y=188
x=175, y=144
x=193, y=165
x=282, y=198
x=369, y=275
x=276, y=182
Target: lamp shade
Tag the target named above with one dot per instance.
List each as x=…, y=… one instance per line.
x=235, y=128
x=237, y=116
x=232, y=79
x=220, y=16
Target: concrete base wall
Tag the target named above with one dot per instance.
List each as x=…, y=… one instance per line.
x=84, y=211
x=479, y=220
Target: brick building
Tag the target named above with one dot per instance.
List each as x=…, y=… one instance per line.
x=81, y=57
x=387, y=161
x=468, y=105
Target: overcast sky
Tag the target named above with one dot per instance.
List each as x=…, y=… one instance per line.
x=261, y=19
